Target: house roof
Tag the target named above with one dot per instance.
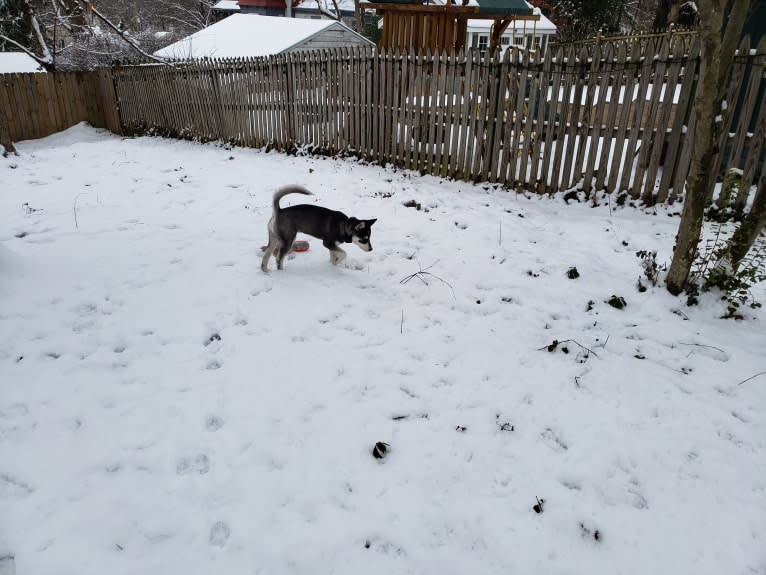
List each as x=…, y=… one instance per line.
x=18, y=63
x=247, y=36
x=227, y=5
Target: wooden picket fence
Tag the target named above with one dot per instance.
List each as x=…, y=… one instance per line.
x=38, y=105
x=613, y=115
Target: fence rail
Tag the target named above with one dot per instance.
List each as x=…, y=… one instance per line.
x=611, y=115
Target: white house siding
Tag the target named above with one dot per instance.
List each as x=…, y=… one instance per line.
x=335, y=36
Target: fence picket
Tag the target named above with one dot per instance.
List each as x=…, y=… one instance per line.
x=552, y=94
x=675, y=140
x=627, y=181
x=603, y=65
x=569, y=66
x=663, y=92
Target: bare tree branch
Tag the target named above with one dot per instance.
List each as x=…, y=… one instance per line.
x=124, y=36
x=58, y=17
x=323, y=9
x=47, y=64
x=40, y=38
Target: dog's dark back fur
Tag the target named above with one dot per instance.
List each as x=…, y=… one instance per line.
x=328, y=225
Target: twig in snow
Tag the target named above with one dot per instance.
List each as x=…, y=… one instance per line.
x=702, y=345
x=401, y=325
x=752, y=377
x=423, y=273
x=74, y=210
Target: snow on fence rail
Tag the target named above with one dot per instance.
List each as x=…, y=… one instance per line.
x=614, y=115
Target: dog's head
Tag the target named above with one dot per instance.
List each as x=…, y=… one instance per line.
x=360, y=233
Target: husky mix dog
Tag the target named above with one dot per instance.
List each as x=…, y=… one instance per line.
x=332, y=227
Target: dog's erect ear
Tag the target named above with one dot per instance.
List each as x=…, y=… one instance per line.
x=370, y=222
x=359, y=226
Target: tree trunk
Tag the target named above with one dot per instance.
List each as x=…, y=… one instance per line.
x=749, y=230
x=359, y=17
x=702, y=154
x=717, y=57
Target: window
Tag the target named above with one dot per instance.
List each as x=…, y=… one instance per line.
x=483, y=42
x=538, y=42
x=518, y=41
x=505, y=40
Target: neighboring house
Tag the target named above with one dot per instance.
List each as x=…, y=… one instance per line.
x=520, y=33
x=251, y=35
x=18, y=63
x=309, y=9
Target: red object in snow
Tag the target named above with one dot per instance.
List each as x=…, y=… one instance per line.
x=298, y=246
x=278, y=4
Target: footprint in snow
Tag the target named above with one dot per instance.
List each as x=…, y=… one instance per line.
x=212, y=339
x=199, y=464
x=7, y=564
x=213, y=423
x=553, y=441
x=219, y=534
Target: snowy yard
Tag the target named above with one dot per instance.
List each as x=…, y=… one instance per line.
x=166, y=408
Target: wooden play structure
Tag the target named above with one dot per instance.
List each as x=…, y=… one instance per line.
x=411, y=25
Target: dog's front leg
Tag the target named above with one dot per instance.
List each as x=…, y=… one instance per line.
x=337, y=255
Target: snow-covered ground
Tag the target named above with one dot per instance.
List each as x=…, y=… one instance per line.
x=167, y=408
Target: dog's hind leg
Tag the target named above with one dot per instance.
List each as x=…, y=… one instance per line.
x=285, y=243
x=269, y=251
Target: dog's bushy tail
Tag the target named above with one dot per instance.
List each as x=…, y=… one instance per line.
x=282, y=192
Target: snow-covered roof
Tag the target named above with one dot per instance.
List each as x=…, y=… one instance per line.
x=246, y=36
x=227, y=5
x=543, y=25
x=18, y=63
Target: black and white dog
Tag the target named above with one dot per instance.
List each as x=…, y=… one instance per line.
x=331, y=227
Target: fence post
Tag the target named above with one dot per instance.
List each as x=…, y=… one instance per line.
x=290, y=108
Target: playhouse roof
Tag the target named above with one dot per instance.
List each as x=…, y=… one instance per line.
x=486, y=8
